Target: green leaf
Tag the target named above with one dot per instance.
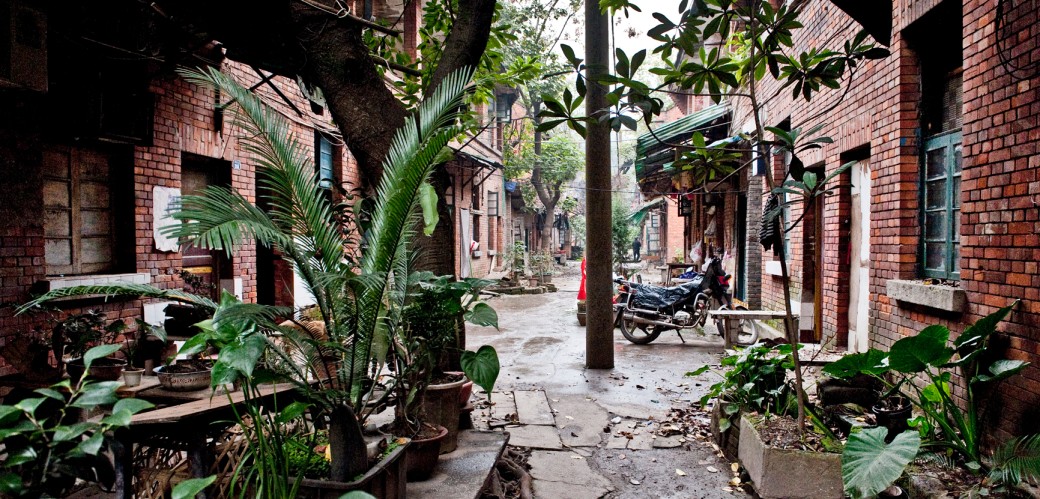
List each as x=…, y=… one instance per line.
x=700, y=370
x=132, y=405
x=97, y=353
x=868, y=465
x=357, y=494
x=481, y=366
x=95, y=394
x=10, y=484
x=428, y=201
x=20, y=456
x=50, y=393
x=870, y=362
x=69, y=432
x=92, y=445
x=916, y=353
x=482, y=315
x=1002, y=369
x=243, y=355
x=291, y=412
x=976, y=334
x=191, y=487
x=118, y=419
x=29, y=406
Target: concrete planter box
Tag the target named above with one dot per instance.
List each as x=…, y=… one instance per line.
x=781, y=473
x=936, y=296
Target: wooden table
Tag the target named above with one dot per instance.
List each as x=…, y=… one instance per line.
x=189, y=422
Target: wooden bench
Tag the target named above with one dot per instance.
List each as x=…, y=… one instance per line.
x=732, y=320
x=188, y=423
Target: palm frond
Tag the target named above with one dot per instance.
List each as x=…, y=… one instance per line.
x=1016, y=460
x=408, y=165
x=120, y=290
x=298, y=207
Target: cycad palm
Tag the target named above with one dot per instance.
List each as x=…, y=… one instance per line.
x=301, y=224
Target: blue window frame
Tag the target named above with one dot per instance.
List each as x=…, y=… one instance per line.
x=941, y=206
x=324, y=162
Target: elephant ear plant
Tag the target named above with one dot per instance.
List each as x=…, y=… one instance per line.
x=943, y=427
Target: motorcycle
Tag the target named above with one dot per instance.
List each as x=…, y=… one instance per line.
x=645, y=311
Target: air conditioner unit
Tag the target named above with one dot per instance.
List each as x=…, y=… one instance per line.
x=23, y=46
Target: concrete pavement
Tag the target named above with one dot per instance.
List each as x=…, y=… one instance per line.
x=598, y=433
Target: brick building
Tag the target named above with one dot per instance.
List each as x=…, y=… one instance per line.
x=680, y=215
x=98, y=138
x=945, y=135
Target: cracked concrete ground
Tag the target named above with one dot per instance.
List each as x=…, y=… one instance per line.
x=592, y=431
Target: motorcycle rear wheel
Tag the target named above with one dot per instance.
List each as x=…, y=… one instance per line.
x=638, y=333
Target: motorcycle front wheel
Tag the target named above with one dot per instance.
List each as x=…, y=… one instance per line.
x=748, y=334
x=638, y=333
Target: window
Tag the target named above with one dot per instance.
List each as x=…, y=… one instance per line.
x=653, y=232
x=941, y=206
x=80, y=206
x=492, y=204
x=476, y=228
x=324, y=160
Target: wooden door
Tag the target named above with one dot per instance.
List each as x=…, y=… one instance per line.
x=197, y=173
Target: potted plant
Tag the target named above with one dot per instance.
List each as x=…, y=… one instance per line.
x=133, y=351
x=755, y=381
x=428, y=396
x=38, y=353
x=944, y=425
x=542, y=265
x=78, y=333
x=41, y=426
x=333, y=372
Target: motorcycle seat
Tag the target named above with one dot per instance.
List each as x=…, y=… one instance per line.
x=656, y=297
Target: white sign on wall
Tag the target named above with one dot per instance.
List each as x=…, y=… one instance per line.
x=164, y=201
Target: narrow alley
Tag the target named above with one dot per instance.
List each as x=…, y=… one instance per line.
x=599, y=433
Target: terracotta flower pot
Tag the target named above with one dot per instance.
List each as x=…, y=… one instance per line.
x=421, y=458
x=441, y=404
x=104, y=369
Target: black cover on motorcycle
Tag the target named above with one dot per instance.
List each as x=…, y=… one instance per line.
x=657, y=297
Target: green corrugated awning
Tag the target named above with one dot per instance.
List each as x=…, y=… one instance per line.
x=651, y=153
x=639, y=215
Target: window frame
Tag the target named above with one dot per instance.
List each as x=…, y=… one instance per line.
x=119, y=259
x=320, y=141
x=952, y=142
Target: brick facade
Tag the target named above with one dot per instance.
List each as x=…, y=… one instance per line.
x=185, y=124
x=880, y=120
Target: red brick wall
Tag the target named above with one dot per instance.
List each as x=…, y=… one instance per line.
x=493, y=230
x=1001, y=151
x=183, y=123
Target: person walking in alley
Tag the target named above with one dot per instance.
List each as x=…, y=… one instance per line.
x=636, y=244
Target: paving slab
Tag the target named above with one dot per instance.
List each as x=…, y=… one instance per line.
x=668, y=442
x=462, y=473
x=533, y=408
x=581, y=421
x=566, y=475
x=535, y=436
x=644, y=440
x=617, y=442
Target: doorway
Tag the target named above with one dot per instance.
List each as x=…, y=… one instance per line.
x=859, y=258
x=197, y=173
x=810, y=318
